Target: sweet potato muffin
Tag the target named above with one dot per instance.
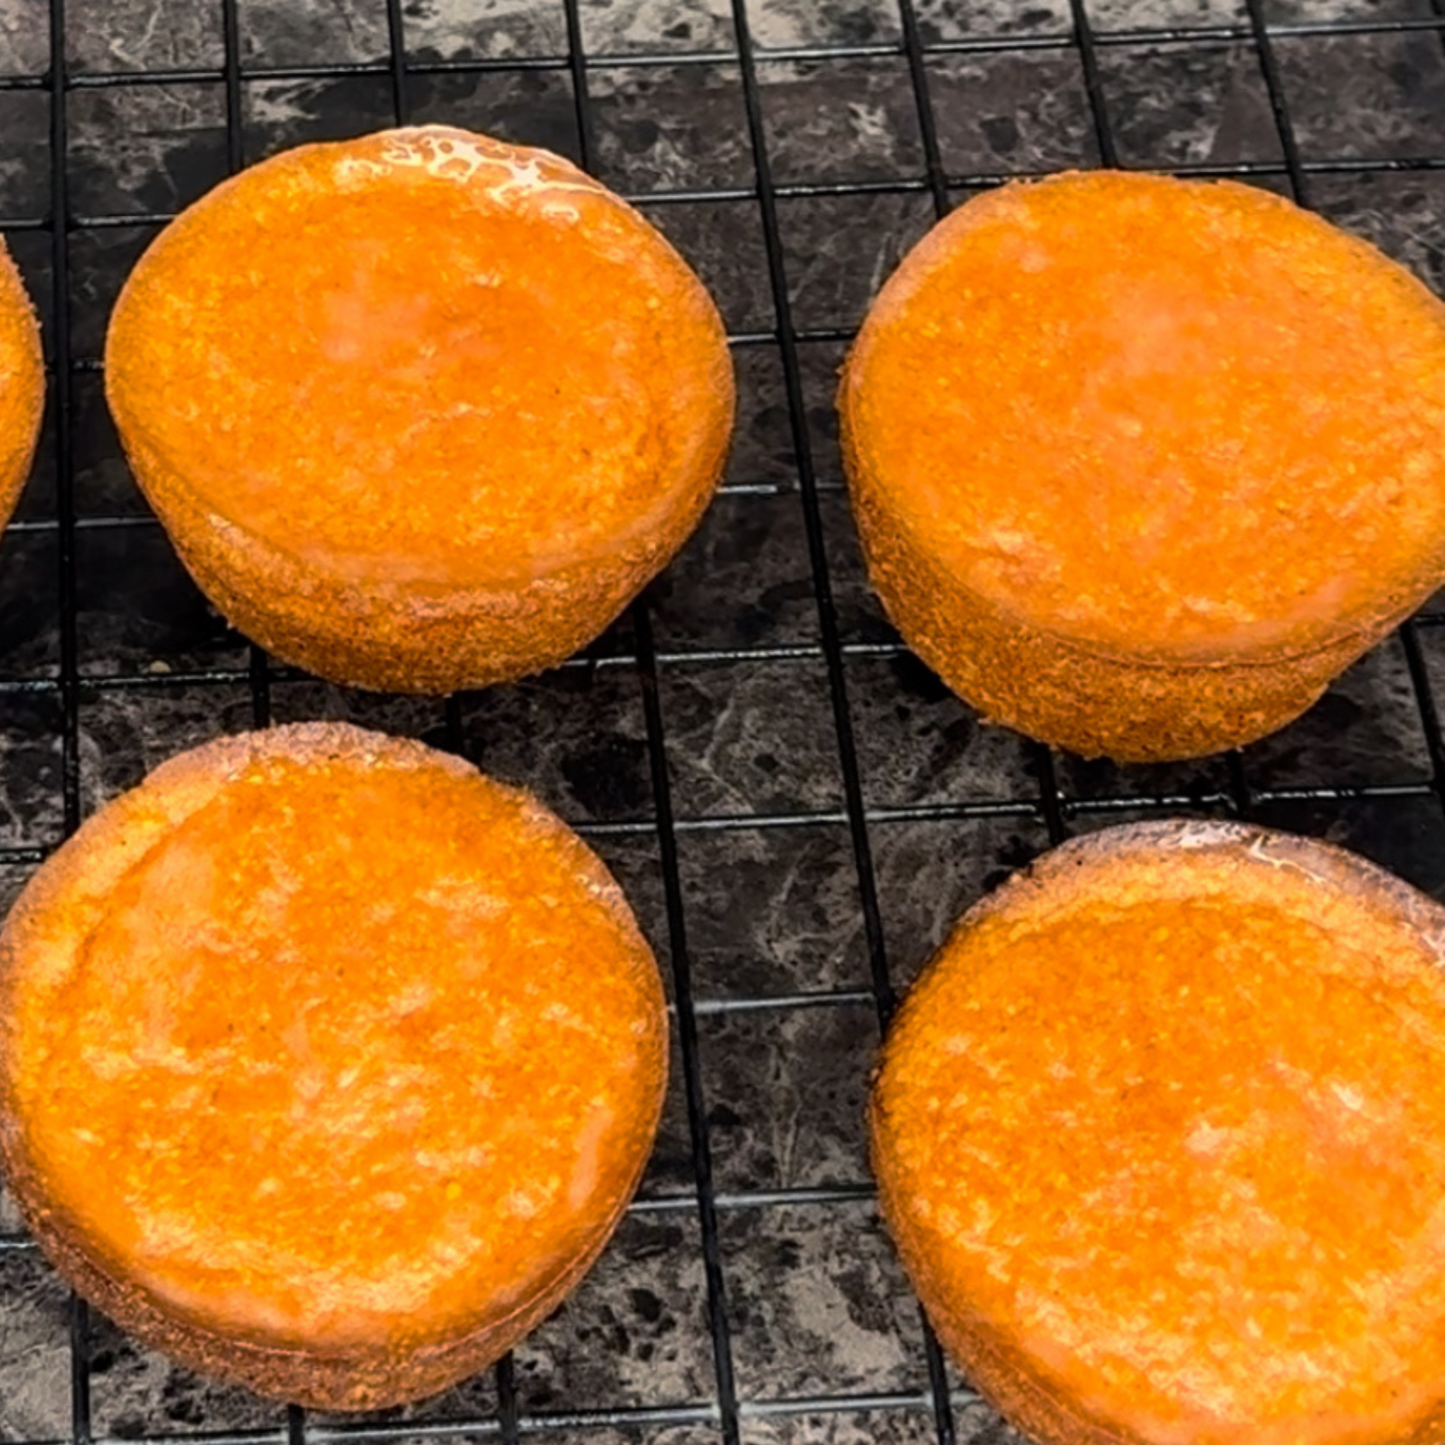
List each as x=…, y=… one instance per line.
x=420, y=411
x=22, y=385
x=1160, y=1134
x=327, y=1065
x=1139, y=465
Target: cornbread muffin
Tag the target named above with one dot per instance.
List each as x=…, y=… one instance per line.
x=326, y=1064
x=1160, y=1134
x=420, y=411
x=22, y=385
x=1139, y=465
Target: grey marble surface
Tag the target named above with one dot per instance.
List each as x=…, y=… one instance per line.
x=813, y=1303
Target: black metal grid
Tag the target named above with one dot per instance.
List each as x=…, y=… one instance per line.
x=819, y=669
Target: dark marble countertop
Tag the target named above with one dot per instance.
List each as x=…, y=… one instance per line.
x=755, y=638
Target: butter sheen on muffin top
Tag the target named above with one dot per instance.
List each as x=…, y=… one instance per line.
x=1210, y=423
x=1165, y=1132
x=298, y=1084
x=411, y=366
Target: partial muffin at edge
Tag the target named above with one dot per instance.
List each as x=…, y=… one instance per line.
x=1157, y=1134
x=22, y=385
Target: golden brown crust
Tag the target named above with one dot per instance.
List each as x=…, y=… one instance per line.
x=68, y=899
x=431, y=561
x=357, y=1380
x=1242, y=866
x=22, y=385
x=1147, y=657
x=1053, y=689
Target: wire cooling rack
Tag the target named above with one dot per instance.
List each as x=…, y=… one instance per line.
x=796, y=807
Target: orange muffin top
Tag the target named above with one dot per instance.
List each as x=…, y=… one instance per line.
x=422, y=355
x=22, y=383
x=322, y=1038
x=1161, y=418
x=1170, y=1126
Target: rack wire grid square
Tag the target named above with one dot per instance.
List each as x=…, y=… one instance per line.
x=796, y=806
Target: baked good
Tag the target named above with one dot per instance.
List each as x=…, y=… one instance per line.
x=327, y=1065
x=419, y=411
x=22, y=385
x=1140, y=464
x=1159, y=1136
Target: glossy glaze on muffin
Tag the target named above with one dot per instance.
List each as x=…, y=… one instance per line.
x=1139, y=464
x=1159, y=1135
x=421, y=410
x=328, y=1064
